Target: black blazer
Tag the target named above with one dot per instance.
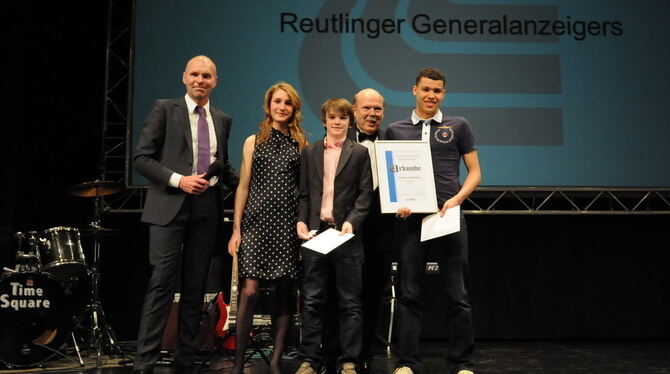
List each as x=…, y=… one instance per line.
x=166, y=147
x=376, y=225
x=353, y=185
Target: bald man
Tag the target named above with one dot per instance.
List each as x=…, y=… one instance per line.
x=180, y=139
x=369, y=113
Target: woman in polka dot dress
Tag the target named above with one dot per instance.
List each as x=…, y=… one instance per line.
x=266, y=202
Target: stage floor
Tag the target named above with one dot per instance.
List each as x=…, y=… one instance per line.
x=491, y=357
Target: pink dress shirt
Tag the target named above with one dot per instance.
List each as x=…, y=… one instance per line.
x=331, y=156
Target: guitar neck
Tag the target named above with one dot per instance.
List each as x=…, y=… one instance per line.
x=232, y=313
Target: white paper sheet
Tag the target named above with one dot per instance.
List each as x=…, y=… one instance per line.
x=434, y=226
x=327, y=241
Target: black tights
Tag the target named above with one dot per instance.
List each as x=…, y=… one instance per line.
x=280, y=323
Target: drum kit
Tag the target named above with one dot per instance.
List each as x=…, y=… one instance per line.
x=52, y=293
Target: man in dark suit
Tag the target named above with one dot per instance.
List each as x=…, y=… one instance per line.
x=179, y=140
x=368, y=109
x=335, y=192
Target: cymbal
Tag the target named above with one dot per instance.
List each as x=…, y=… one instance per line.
x=95, y=188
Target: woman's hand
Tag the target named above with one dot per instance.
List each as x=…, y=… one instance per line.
x=234, y=242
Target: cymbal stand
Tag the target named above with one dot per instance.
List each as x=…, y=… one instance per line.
x=101, y=334
x=76, y=349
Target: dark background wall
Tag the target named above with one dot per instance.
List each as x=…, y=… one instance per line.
x=531, y=277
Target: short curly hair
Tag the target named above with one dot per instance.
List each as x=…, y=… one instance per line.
x=431, y=73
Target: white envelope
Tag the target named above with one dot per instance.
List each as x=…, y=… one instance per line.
x=434, y=226
x=327, y=241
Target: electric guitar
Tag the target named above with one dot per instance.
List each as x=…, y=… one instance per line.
x=227, y=313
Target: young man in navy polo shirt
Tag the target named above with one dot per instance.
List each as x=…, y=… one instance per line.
x=451, y=139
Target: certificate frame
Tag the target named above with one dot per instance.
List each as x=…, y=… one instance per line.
x=405, y=175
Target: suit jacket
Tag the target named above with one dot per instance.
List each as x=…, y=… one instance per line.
x=353, y=185
x=166, y=147
x=376, y=225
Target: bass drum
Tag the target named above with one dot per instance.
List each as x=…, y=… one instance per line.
x=34, y=321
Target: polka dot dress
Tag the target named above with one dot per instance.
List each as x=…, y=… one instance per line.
x=269, y=247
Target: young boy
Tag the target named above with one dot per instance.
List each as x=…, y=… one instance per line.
x=335, y=192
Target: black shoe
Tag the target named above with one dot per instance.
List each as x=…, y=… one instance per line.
x=144, y=371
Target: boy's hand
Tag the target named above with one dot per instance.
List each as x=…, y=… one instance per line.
x=347, y=228
x=303, y=231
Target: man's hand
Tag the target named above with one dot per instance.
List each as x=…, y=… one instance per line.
x=193, y=184
x=454, y=201
x=347, y=228
x=403, y=212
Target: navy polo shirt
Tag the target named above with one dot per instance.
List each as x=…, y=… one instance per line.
x=450, y=139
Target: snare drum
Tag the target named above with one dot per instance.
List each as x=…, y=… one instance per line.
x=34, y=322
x=61, y=253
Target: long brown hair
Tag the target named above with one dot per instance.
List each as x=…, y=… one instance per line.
x=296, y=131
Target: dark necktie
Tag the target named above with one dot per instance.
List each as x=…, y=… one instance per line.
x=363, y=136
x=203, y=140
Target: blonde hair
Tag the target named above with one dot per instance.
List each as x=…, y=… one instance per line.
x=296, y=131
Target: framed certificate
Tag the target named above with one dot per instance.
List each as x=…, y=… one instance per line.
x=405, y=175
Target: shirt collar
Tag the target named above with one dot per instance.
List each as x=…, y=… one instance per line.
x=190, y=104
x=437, y=117
x=338, y=144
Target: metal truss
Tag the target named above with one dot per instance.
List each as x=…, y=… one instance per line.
x=117, y=91
x=129, y=201
x=515, y=201
x=568, y=200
